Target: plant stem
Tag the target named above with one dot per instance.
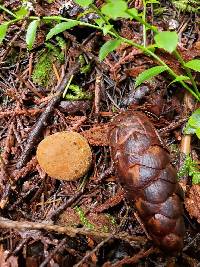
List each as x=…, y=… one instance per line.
x=176, y=53
x=149, y=52
x=130, y=42
x=7, y=11
x=143, y=22
x=102, y=16
x=144, y=26
x=180, y=59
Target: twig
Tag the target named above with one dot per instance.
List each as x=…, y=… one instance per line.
x=30, y=65
x=185, y=148
x=92, y=251
x=28, y=112
x=172, y=126
x=45, y=262
x=97, y=96
x=11, y=42
x=134, y=259
x=29, y=86
x=66, y=204
x=68, y=230
x=33, y=138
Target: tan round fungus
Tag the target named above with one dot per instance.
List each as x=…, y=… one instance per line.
x=64, y=155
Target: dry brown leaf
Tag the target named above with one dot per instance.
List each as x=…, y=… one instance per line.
x=192, y=202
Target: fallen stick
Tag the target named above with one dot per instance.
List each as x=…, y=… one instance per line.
x=68, y=230
x=34, y=135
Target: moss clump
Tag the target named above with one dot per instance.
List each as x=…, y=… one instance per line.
x=43, y=68
x=187, y=5
x=76, y=93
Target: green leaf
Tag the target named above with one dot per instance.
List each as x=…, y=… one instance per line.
x=133, y=12
x=108, y=47
x=61, y=27
x=31, y=33
x=193, y=64
x=99, y=22
x=198, y=132
x=180, y=78
x=22, y=12
x=193, y=124
x=152, y=2
x=167, y=40
x=3, y=30
x=83, y=3
x=148, y=74
x=106, y=29
x=115, y=10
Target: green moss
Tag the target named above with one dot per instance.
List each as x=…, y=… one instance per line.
x=83, y=218
x=43, y=68
x=85, y=68
x=56, y=52
x=190, y=168
x=187, y=5
x=76, y=93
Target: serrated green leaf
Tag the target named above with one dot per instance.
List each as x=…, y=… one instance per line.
x=3, y=30
x=115, y=10
x=108, y=47
x=148, y=74
x=83, y=3
x=193, y=124
x=193, y=64
x=180, y=78
x=61, y=27
x=167, y=40
x=31, y=33
x=106, y=29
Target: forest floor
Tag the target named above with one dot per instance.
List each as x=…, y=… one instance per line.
x=88, y=222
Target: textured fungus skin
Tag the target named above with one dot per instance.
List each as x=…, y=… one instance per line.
x=144, y=170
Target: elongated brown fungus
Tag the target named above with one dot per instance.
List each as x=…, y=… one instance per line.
x=64, y=155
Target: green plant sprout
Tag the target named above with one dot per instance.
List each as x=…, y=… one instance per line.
x=191, y=168
x=76, y=93
x=193, y=124
x=83, y=218
x=110, y=11
x=85, y=68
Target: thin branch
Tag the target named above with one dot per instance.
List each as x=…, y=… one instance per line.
x=68, y=230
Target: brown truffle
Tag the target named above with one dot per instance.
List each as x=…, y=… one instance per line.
x=64, y=155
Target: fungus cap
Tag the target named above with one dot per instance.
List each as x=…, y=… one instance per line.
x=64, y=155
